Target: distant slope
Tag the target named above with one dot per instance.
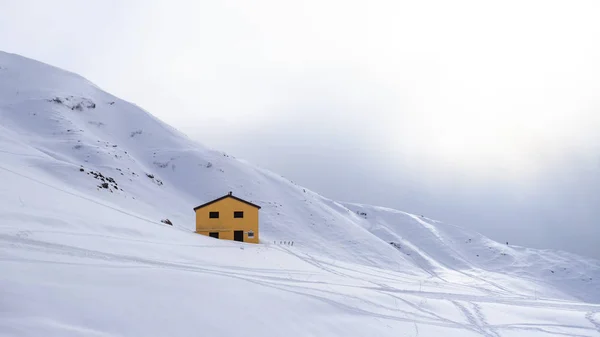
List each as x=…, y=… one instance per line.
x=61, y=130
x=436, y=246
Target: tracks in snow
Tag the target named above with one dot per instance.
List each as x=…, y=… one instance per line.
x=341, y=298
x=590, y=317
x=280, y=283
x=25, y=241
x=477, y=320
x=520, y=301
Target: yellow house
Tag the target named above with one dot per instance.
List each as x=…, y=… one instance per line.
x=229, y=218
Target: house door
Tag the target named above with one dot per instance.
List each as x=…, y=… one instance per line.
x=214, y=235
x=238, y=236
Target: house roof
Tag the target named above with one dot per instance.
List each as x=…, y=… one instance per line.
x=229, y=195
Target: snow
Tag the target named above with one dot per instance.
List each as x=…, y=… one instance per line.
x=77, y=259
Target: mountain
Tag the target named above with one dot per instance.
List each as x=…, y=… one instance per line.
x=86, y=178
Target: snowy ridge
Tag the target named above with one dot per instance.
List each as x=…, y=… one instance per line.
x=87, y=177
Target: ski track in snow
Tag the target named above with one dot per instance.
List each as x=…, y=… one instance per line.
x=482, y=321
x=473, y=322
x=590, y=316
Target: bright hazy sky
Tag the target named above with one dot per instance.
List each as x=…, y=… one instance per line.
x=483, y=114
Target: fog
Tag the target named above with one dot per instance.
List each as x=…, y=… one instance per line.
x=484, y=115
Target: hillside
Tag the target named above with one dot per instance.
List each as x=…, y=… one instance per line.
x=87, y=177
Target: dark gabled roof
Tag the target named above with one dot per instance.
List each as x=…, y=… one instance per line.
x=229, y=195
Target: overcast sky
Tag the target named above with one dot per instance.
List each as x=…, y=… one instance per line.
x=482, y=114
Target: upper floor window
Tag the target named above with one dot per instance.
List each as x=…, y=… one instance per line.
x=238, y=214
x=213, y=215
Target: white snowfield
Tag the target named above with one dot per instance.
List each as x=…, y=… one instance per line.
x=81, y=259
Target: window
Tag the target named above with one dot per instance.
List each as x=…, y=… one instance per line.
x=213, y=215
x=250, y=234
x=238, y=214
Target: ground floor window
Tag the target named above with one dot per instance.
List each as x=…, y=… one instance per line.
x=250, y=234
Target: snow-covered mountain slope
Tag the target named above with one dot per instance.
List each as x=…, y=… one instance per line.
x=437, y=247
x=85, y=179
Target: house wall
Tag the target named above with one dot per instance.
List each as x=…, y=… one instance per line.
x=226, y=223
